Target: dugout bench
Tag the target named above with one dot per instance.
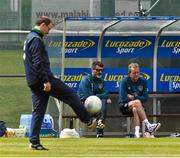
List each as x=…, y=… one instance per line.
x=73, y=121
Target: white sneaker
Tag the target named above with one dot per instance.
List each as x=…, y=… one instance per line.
x=154, y=127
x=136, y=135
x=100, y=124
x=99, y=136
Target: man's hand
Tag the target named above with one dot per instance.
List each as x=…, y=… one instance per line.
x=47, y=87
x=130, y=97
x=109, y=101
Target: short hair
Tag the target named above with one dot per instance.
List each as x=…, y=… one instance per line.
x=132, y=65
x=95, y=63
x=43, y=19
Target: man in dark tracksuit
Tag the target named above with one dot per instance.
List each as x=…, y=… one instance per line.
x=93, y=84
x=132, y=96
x=43, y=84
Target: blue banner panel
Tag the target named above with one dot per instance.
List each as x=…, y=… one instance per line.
x=53, y=45
x=126, y=18
x=112, y=77
x=114, y=46
x=169, y=47
x=75, y=46
x=128, y=46
x=73, y=76
x=81, y=46
x=168, y=80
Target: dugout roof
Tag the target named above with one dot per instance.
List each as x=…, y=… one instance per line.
x=119, y=25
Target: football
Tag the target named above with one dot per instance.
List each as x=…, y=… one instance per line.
x=93, y=104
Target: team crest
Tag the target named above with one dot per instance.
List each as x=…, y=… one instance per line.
x=100, y=86
x=140, y=88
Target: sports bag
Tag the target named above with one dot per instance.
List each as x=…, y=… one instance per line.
x=3, y=128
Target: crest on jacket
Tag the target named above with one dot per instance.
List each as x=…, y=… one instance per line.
x=140, y=88
x=100, y=86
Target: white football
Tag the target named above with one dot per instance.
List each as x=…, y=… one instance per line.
x=93, y=104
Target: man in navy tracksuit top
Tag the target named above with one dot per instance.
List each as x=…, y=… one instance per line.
x=43, y=84
x=132, y=96
x=93, y=84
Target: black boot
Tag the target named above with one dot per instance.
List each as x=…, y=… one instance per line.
x=100, y=133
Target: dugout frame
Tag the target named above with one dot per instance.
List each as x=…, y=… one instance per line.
x=167, y=21
x=101, y=26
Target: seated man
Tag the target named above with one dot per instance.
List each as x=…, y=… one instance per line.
x=132, y=96
x=93, y=84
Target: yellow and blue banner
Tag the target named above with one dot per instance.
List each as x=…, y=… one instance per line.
x=128, y=47
x=114, y=46
x=117, y=47
x=168, y=80
x=111, y=76
x=169, y=47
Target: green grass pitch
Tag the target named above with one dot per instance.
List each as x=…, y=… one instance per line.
x=93, y=147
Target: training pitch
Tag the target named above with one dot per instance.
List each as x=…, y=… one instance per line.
x=93, y=147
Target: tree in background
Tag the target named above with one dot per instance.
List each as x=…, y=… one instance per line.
x=166, y=8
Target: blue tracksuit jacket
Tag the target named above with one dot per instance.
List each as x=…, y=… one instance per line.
x=36, y=61
x=37, y=68
x=138, y=89
x=90, y=85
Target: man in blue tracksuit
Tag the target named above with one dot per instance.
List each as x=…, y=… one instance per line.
x=43, y=84
x=93, y=84
x=132, y=96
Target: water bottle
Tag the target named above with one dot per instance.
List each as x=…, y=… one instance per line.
x=25, y=122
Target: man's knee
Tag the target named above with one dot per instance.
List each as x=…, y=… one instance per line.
x=137, y=102
x=134, y=110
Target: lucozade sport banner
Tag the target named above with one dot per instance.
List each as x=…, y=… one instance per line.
x=111, y=76
x=168, y=79
x=115, y=46
x=128, y=47
x=169, y=47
